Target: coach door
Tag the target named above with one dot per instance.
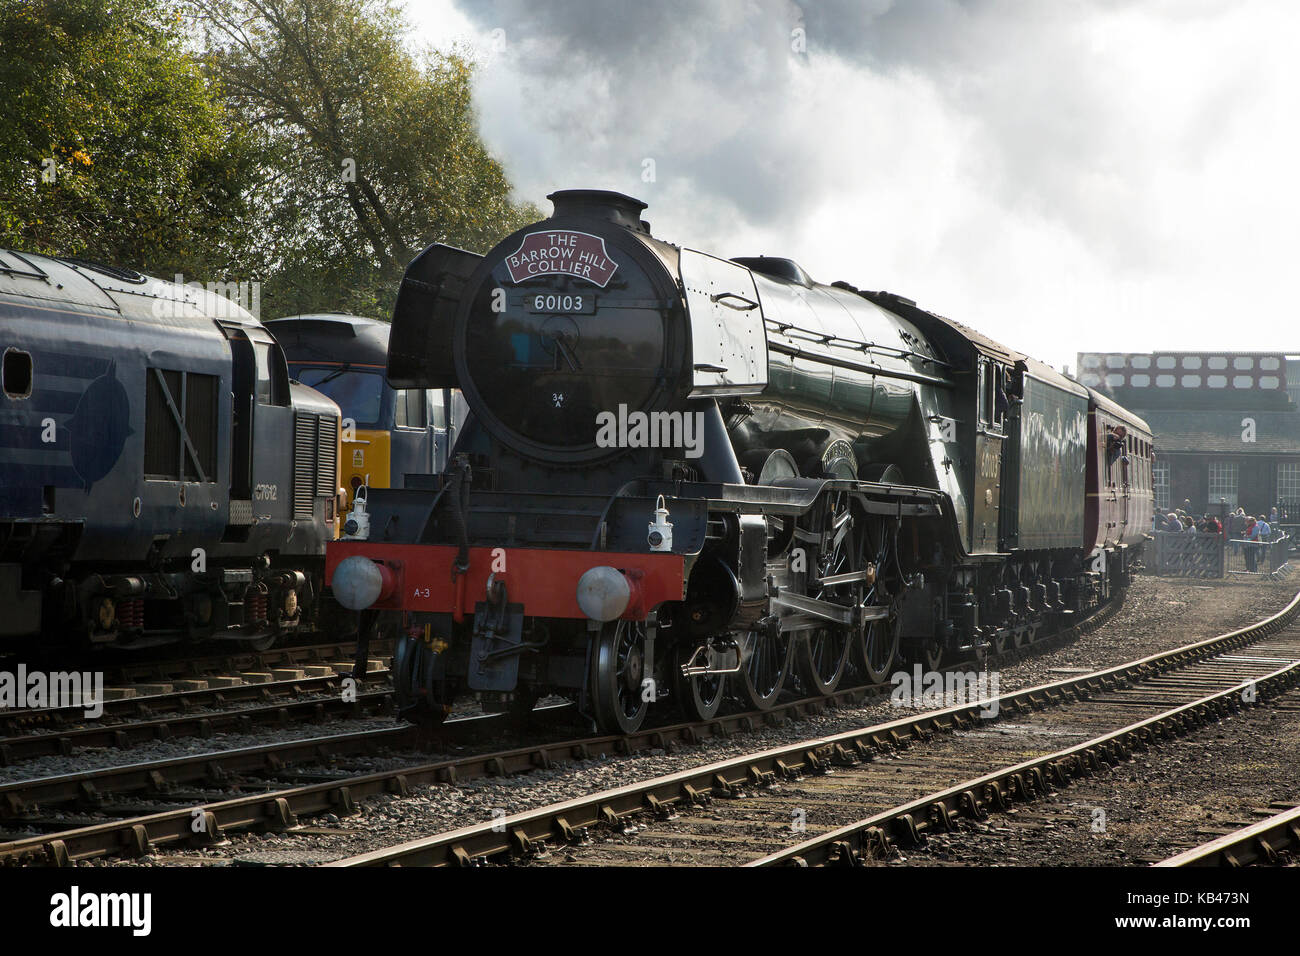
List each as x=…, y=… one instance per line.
x=989, y=438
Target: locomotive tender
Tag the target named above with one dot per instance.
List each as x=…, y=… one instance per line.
x=161, y=477
x=684, y=478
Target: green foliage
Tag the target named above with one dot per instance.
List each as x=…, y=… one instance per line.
x=296, y=142
x=100, y=97
x=368, y=151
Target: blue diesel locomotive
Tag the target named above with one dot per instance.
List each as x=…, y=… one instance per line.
x=161, y=477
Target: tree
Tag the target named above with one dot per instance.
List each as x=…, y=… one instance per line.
x=114, y=145
x=368, y=152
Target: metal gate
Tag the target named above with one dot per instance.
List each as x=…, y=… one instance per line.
x=1192, y=555
x=1269, y=558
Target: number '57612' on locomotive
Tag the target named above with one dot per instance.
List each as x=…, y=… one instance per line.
x=684, y=479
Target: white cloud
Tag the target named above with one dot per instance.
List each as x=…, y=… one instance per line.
x=1064, y=177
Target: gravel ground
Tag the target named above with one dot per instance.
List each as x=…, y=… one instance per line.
x=1159, y=614
x=1181, y=794
x=99, y=758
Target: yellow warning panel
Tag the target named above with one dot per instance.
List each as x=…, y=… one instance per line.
x=367, y=457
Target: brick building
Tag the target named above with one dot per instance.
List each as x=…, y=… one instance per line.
x=1226, y=424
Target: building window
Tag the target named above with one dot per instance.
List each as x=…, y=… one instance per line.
x=1160, y=483
x=1243, y=363
x=1288, y=484
x=1242, y=381
x=1164, y=381
x=1141, y=361
x=1191, y=381
x=1114, y=380
x=1269, y=381
x=1217, y=381
x=1140, y=381
x=1223, y=482
x=1218, y=362
x=1192, y=362
x=1269, y=364
x=1166, y=361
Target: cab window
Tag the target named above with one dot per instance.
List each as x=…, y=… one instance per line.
x=359, y=394
x=993, y=396
x=410, y=410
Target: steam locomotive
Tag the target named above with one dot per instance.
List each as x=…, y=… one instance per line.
x=161, y=477
x=684, y=479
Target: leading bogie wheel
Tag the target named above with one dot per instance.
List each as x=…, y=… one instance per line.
x=701, y=694
x=420, y=690
x=620, y=697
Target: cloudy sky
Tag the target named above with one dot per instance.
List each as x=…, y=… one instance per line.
x=1064, y=175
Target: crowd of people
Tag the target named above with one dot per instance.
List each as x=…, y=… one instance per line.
x=1241, y=530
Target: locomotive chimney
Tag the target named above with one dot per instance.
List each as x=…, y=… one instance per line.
x=599, y=204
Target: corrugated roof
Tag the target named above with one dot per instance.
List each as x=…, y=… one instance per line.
x=1221, y=432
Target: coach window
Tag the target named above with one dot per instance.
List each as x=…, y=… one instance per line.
x=17, y=374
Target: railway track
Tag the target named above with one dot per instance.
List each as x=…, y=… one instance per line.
x=208, y=681
x=322, y=701
x=803, y=802
x=1271, y=842
x=196, y=780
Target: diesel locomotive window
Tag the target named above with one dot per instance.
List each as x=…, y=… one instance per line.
x=410, y=408
x=17, y=374
x=180, y=405
x=360, y=394
x=439, y=409
x=272, y=376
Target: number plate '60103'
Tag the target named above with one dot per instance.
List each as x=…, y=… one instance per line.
x=580, y=303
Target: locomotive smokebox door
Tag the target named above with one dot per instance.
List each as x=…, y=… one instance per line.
x=494, y=653
x=728, y=339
